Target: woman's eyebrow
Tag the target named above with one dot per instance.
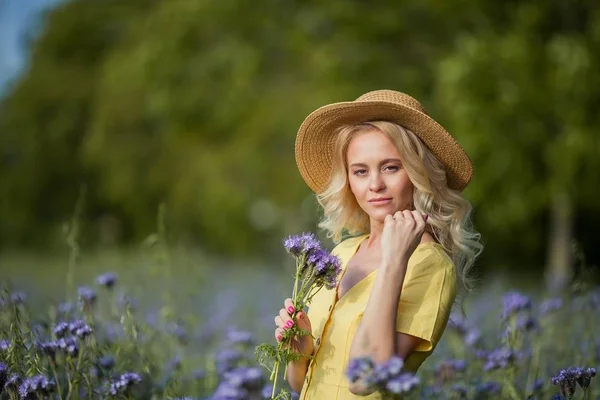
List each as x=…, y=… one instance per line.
x=387, y=160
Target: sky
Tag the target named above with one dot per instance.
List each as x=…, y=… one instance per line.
x=17, y=18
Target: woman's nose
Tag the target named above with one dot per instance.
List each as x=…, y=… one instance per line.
x=376, y=183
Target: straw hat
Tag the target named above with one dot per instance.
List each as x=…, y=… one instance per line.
x=315, y=138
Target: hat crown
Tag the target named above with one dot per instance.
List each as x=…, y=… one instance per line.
x=393, y=96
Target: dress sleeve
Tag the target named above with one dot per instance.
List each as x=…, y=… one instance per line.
x=427, y=296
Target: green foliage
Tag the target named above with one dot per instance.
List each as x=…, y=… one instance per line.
x=196, y=104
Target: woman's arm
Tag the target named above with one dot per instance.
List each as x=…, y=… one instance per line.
x=376, y=336
x=296, y=373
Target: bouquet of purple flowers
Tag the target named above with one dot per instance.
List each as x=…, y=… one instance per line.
x=315, y=268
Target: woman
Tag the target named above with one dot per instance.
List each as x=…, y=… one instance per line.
x=392, y=177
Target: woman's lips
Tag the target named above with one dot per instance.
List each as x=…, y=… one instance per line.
x=379, y=202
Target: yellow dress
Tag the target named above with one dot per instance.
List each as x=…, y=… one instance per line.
x=426, y=299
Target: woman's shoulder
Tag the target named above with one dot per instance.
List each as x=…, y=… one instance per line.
x=431, y=257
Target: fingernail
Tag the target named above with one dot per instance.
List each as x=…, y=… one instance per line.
x=279, y=337
x=291, y=309
x=289, y=324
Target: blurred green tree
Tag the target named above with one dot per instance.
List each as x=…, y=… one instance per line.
x=197, y=103
x=522, y=97
x=45, y=116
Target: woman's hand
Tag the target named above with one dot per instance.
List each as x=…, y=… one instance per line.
x=401, y=235
x=284, y=321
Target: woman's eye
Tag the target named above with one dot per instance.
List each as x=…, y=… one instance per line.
x=360, y=171
x=392, y=167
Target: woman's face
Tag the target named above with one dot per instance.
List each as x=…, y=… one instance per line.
x=376, y=176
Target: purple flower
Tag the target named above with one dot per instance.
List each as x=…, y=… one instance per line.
x=249, y=378
x=550, y=305
x=526, y=323
x=69, y=345
x=3, y=374
x=515, y=302
x=460, y=389
x=359, y=368
x=18, y=297
x=4, y=345
x=87, y=296
x=226, y=359
x=402, y=384
x=458, y=323
x=566, y=379
x=499, y=359
x=12, y=384
x=80, y=329
x=49, y=349
x=178, y=331
x=488, y=388
x=387, y=371
x=537, y=385
x=472, y=337
x=266, y=391
x=174, y=364
x=124, y=382
x=236, y=336
x=107, y=362
x=30, y=388
x=107, y=280
x=304, y=244
x=226, y=391
x=61, y=329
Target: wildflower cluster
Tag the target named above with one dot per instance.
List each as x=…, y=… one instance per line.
x=567, y=379
x=388, y=378
x=315, y=268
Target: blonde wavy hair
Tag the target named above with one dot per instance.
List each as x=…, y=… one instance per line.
x=449, y=212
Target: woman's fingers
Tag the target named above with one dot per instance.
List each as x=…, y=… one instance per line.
x=279, y=322
x=285, y=318
x=289, y=306
x=278, y=334
x=303, y=321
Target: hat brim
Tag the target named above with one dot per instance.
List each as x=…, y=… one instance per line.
x=316, y=137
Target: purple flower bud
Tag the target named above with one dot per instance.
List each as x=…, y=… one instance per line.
x=61, y=329
x=124, y=382
x=488, y=388
x=80, y=329
x=359, y=368
x=515, y=302
x=18, y=297
x=499, y=359
x=107, y=280
x=551, y=305
x=87, y=296
x=107, y=362
x=266, y=391
x=3, y=374
x=12, y=384
x=402, y=384
x=4, y=345
x=236, y=336
x=472, y=337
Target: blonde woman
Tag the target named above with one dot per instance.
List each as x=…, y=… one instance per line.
x=391, y=177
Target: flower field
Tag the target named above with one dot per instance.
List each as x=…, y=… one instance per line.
x=153, y=324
